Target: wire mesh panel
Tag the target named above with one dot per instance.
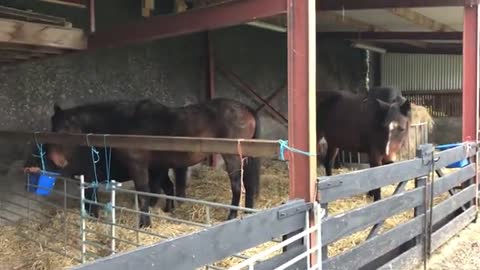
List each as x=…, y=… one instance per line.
x=417, y=135
x=63, y=223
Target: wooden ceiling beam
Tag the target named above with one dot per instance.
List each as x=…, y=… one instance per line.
x=355, y=23
x=30, y=16
x=71, y=3
x=36, y=34
x=29, y=49
x=420, y=19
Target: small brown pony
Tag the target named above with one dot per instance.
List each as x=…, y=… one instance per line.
x=218, y=118
x=361, y=123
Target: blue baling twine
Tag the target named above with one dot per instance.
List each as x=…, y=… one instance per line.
x=95, y=159
x=284, y=146
x=108, y=207
x=41, y=153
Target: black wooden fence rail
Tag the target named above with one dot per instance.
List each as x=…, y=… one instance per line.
x=372, y=253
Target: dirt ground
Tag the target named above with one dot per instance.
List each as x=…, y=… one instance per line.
x=460, y=252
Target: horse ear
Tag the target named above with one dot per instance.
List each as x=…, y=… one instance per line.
x=56, y=108
x=406, y=107
x=382, y=105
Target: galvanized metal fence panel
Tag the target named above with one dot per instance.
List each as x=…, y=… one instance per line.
x=210, y=245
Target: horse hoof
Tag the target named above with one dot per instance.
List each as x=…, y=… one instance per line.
x=169, y=207
x=232, y=216
x=145, y=222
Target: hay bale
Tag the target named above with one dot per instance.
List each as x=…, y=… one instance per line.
x=420, y=115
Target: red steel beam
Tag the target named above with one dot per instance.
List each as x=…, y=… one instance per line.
x=470, y=70
x=271, y=97
x=233, y=77
x=382, y=4
x=199, y=20
x=393, y=35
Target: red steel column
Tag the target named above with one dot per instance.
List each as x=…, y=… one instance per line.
x=301, y=101
x=301, y=97
x=470, y=78
x=470, y=73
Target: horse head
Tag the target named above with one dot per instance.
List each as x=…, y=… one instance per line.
x=63, y=121
x=395, y=118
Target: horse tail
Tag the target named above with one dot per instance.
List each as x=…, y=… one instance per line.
x=253, y=164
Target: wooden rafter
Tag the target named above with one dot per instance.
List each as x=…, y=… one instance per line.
x=36, y=34
x=420, y=19
x=29, y=49
x=357, y=24
x=361, y=25
x=71, y=3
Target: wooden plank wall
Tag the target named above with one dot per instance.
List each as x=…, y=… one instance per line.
x=447, y=103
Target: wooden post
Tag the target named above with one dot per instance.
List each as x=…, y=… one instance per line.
x=301, y=100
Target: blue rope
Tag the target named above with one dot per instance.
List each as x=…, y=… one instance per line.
x=108, y=207
x=284, y=146
x=41, y=153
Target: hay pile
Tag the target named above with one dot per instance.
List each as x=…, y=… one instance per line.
x=420, y=115
x=205, y=184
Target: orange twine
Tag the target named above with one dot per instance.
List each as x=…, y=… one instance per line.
x=242, y=159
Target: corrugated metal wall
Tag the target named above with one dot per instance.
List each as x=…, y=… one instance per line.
x=411, y=72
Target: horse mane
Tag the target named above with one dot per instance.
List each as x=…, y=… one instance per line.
x=95, y=107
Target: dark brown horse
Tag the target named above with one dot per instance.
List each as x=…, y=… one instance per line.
x=360, y=123
x=219, y=118
x=106, y=118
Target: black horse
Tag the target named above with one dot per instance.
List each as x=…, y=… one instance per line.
x=104, y=118
x=220, y=118
x=360, y=123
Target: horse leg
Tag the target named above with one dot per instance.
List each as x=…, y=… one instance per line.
x=251, y=180
x=91, y=208
x=180, y=181
x=140, y=177
x=159, y=179
x=330, y=159
x=168, y=187
x=375, y=160
x=233, y=167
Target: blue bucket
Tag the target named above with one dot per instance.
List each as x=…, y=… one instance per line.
x=42, y=183
x=458, y=164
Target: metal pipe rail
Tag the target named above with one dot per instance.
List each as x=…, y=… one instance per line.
x=249, y=147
